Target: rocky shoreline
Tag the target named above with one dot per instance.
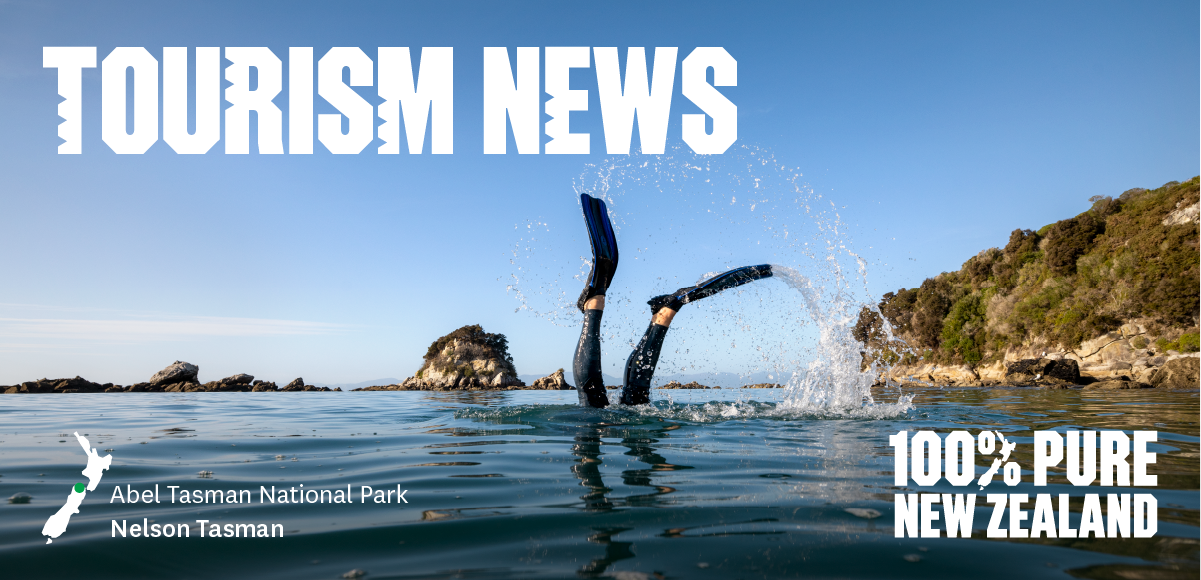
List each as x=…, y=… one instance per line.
x=469, y=359
x=1113, y=360
x=181, y=377
x=178, y=377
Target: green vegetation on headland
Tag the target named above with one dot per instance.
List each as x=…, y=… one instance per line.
x=1130, y=260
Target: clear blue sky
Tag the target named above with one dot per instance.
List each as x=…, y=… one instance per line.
x=940, y=127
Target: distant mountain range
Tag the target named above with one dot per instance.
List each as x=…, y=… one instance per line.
x=351, y=386
x=725, y=380
x=720, y=379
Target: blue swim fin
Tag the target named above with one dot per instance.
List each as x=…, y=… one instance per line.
x=723, y=281
x=604, y=248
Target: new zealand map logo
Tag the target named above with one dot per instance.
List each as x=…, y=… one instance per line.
x=57, y=524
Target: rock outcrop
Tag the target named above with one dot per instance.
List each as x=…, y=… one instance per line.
x=552, y=382
x=691, y=385
x=1045, y=370
x=1181, y=373
x=75, y=385
x=467, y=358
x=1113, y=385
x=180, y=377
x=1106, y=359
x=176, y=372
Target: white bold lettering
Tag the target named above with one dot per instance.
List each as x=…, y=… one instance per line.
x=359, y=113
x=1142, y=458
x=260, y=100
x=619, y=102
x=1115, y=447
x=1048, y=452
x=905, y=510
x=961, y=458
x=994, y=523
x=927, y=458
x=300, y=100
x=1146, y=515
x=70, y=62
x=434, y=88
x=559, y=62
x=929, y=515
x=175, y=99
x=1044, y=517
x=518, y=99
x=113, y=100
x=1082, y=473
x=696, y=89
x=959, y=512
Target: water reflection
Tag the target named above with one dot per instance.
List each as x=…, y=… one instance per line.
x=614, y=552
x=639, y=444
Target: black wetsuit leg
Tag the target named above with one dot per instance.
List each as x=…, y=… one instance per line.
x=640, y=367
x=589, y=383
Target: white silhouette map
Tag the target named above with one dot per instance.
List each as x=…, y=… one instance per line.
x=57, y=524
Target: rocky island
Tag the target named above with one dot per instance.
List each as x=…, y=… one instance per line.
x=470, y=359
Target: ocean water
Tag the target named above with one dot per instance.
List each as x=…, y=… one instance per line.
x=700, y=484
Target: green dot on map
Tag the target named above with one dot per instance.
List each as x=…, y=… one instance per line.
x=79, y=488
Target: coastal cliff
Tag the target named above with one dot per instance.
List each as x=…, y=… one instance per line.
x=1113, y=289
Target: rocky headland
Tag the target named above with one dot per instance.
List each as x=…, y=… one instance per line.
x=1107, y=299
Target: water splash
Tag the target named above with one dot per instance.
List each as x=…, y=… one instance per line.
x=681, y=213
x=836, y=380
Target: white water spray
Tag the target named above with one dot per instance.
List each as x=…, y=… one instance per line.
x=681, y=212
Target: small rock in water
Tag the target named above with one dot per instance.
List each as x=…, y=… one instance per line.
x=279, y=457
x=912, y=558
x=109, y=450
x=20, y=497
x=865, y=513
x=205, y=474
x=356, y=573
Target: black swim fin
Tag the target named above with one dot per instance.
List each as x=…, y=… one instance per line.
x=723, y=281
x=604, y=248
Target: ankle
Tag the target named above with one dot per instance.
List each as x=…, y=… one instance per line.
x=663, y=316
x=595, y=303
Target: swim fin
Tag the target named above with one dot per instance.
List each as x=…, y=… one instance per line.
x=604, y=248
x=723, y=281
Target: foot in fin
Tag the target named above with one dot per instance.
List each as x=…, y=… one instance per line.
x=723, y=281
x=604, y=248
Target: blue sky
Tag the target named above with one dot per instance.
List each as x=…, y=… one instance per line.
x=935, y=128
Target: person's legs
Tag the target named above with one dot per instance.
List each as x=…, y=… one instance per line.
x=640, y=367
x=586, y=365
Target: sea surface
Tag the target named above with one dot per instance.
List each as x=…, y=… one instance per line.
x=700, y=484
